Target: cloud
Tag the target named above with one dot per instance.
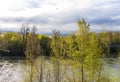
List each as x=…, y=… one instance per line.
x=51, y=14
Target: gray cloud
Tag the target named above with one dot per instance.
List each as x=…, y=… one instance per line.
x=93, y=16
x=100, y=13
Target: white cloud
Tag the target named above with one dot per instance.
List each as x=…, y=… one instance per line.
x=61, y=14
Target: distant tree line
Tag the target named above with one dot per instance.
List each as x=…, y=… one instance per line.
x=15, y=44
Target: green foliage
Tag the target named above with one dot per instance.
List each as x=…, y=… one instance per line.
x=55, y=45
x=84, y=49
x=32, y=48
x=44, y=42
x=78, y=55
x=11, y=42
x=83, y=26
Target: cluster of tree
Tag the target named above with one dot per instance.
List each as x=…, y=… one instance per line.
x=14, y=44
x=73, y=58
x=78, y=56
x=82, y=49
x=110, y=42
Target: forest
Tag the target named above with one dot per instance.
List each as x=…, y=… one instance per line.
x=75, y=57
x=15, y=43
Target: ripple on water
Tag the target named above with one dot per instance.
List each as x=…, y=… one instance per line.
x=10, y=72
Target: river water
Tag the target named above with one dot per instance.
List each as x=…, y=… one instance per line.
x=112, y=68
x=11, y=71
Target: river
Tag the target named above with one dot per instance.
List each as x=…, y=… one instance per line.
x=11, y=71
x=112, y=68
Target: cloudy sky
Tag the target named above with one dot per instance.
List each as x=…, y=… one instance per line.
x=59, y=14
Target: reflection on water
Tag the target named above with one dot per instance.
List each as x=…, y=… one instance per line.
x=111, y=68
x=10, y=71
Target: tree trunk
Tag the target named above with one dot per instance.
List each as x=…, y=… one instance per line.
x=82, y=73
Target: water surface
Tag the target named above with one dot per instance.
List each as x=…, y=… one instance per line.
x=11, y=70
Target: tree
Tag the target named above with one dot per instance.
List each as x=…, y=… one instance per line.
x=24, y=30
x=32, y=48
x=34, y=29
x=93, y=60
x=56, y=54
x=44, y=42
x=82, y=41
x=85, y=51
x=10, y=44
x=83, y=26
